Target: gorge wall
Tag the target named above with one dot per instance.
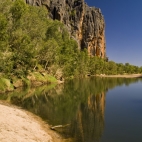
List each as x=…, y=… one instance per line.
x=85, y=24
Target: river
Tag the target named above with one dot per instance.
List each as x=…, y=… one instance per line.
x=92, y=109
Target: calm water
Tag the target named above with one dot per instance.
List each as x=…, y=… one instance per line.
x=90, y=110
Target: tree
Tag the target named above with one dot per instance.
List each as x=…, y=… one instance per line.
x=112, y=68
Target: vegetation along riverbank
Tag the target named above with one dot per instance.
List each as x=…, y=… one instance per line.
x=28, y=57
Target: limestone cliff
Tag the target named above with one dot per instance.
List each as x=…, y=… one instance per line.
x=85, y=24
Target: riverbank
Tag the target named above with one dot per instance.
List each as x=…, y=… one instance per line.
x=122, y=76
x=33, y=79
x=22, y=126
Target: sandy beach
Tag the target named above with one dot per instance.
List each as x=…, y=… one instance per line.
x=123, y=76
x=17, y=125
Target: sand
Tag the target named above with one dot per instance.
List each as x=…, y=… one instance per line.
x=123, y=76
x=17, y=125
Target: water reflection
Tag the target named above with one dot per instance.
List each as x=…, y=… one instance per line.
x=78, y=105
x=89, y=122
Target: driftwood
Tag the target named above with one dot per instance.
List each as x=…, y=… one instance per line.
x=59, y=126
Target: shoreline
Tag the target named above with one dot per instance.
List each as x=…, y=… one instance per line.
x=34, y=79
x=17, y=124
x=122, y=76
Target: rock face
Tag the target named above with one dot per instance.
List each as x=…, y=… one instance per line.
x=85, y=24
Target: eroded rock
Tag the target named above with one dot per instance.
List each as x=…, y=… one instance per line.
x=85, y=24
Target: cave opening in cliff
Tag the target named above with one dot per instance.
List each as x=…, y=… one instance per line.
x=56, y=15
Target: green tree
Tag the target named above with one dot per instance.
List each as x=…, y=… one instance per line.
x=112, y=68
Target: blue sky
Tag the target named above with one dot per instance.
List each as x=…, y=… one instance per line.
x=123, y=19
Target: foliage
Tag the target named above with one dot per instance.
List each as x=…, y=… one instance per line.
x=29, y=41
x=5, y=84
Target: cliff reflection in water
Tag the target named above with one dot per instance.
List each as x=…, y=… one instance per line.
x=78, y=106
x=89, y=122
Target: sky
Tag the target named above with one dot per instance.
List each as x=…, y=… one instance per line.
x=123, y=20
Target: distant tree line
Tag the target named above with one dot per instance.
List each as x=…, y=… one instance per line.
x=29, y=41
